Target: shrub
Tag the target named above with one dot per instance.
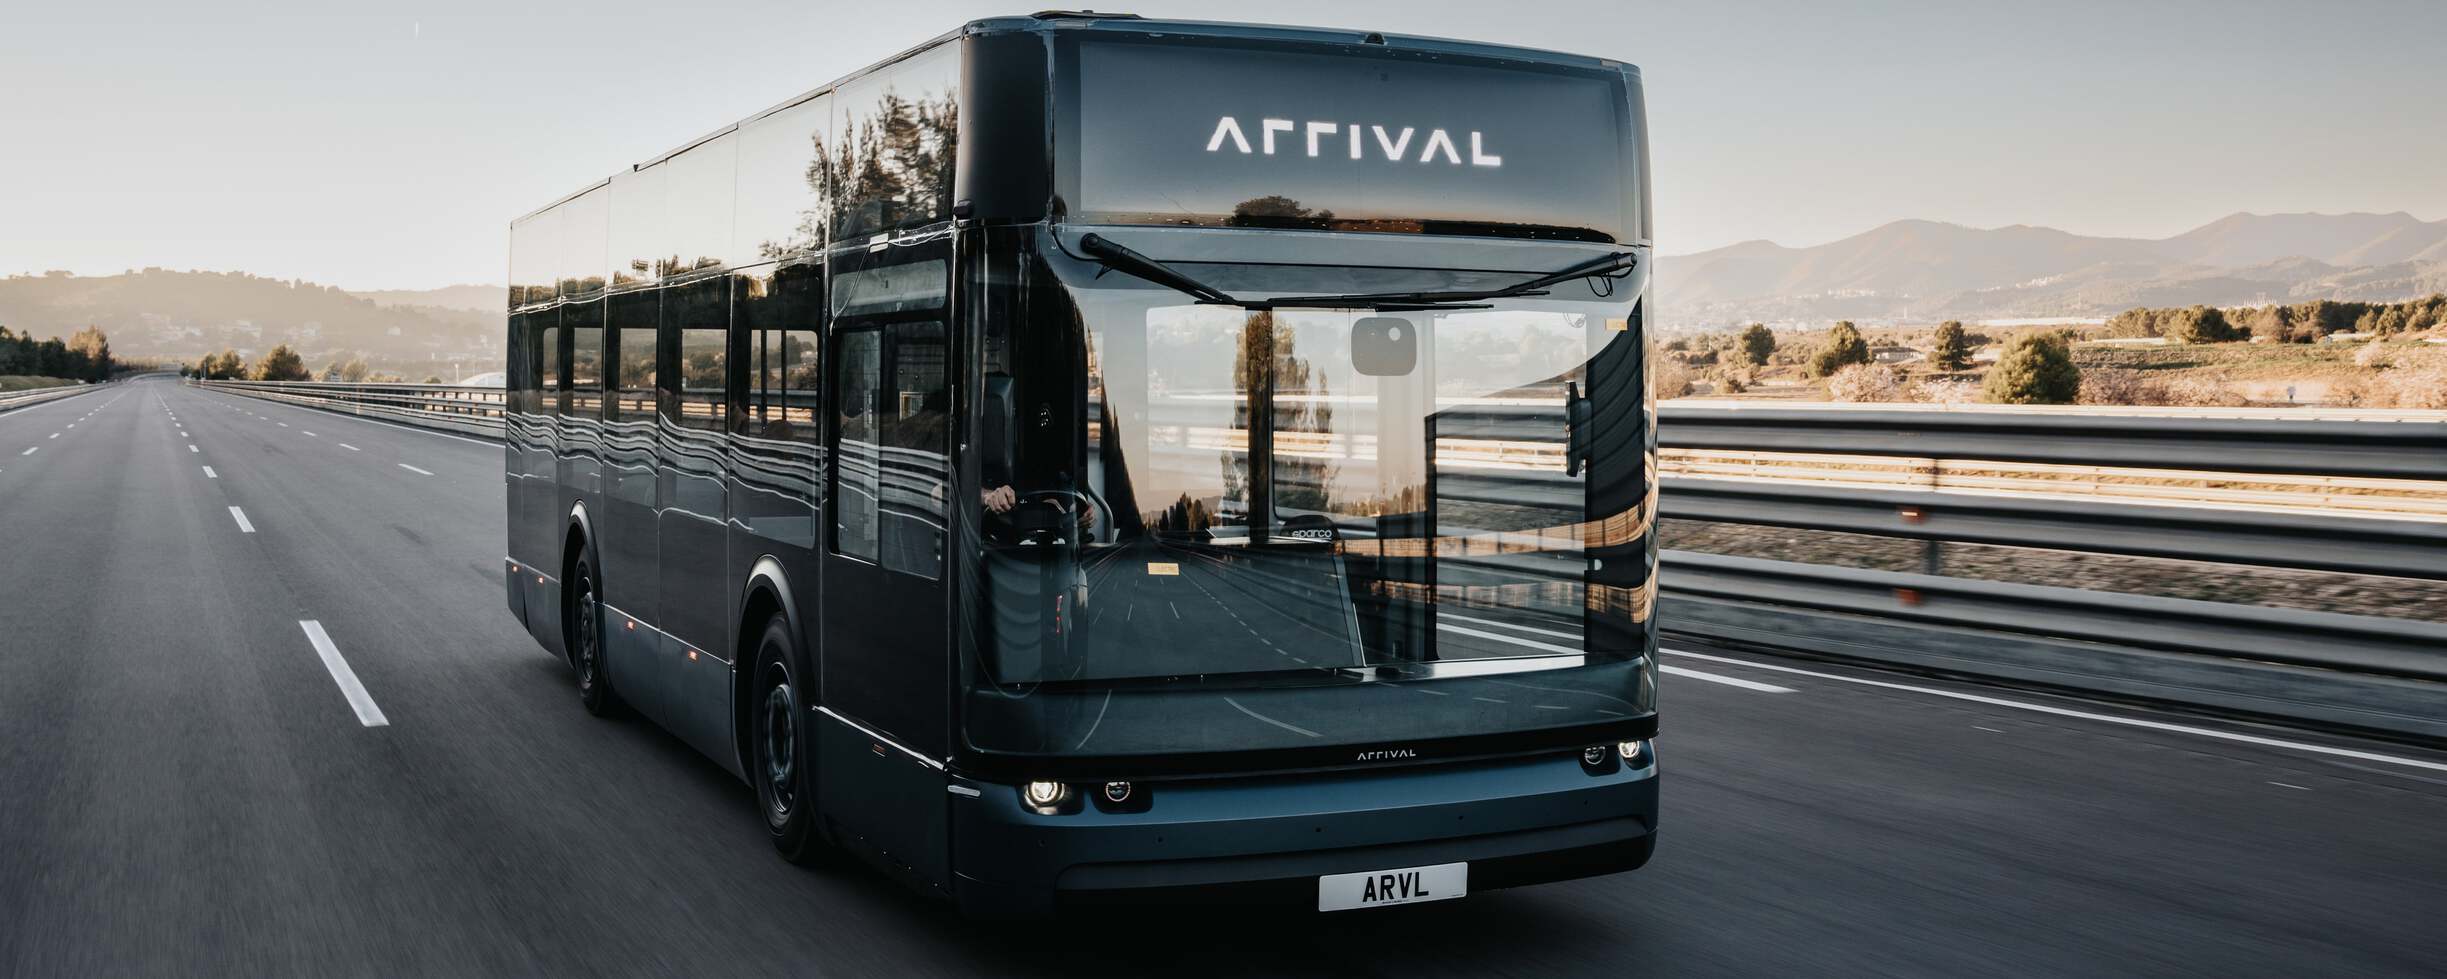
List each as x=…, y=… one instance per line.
x=1868, y=382
x=1671, y=380
x=1757, y=344
x=1734, y=380
x=1843, y=346
x=2036, y=368
x=2117, y=386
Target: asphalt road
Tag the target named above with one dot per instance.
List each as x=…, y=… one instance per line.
x=185, y=788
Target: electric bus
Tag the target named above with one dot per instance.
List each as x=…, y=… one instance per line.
x=1087, y=459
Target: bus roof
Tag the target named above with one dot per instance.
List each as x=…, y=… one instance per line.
x=1050, y=21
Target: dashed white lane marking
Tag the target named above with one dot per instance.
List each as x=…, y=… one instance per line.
x=1991, y=730
x=240, y=515
x=415, y=470
x=29, y=450
x=2317, y=749
x=307, y=433
x=284, y=424
x=349, y=447
x=52, y=435
x=209, y=474
x=363, y=702
x=191, y=447
x=2288, y=785
x=1730, y=681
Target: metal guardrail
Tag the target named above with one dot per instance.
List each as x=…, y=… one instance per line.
x=2308, y=542
x=2407, y=449
x=469, y=410
x=19, y=399
x=2328, y=640
x=2388, y=446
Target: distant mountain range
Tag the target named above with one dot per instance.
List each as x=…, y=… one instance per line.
x=1916, y=271
x=162, y=314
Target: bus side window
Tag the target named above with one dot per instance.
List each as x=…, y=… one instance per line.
x=780, y=318
x=857, y=382
x=917, y=427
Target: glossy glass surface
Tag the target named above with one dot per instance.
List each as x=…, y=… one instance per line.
x=896, y=133
x=1199, y=131
x=782, y=207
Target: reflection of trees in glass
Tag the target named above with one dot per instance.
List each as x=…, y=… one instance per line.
x=892, y=167
x=1266, y=371
x=1277, y=211
x=701, y=371
x=1185, y=516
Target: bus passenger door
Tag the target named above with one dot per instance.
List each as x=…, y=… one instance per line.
x=885, y=619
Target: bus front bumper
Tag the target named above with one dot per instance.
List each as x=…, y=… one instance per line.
x=1265, y=841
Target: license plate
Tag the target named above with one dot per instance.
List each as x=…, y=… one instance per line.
x=1384, y=888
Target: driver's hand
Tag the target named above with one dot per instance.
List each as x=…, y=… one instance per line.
x=1000, y=499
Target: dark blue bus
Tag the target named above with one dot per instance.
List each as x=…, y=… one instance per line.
x=1091, y=459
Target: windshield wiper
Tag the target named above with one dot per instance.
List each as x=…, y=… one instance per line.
x=1602, y=265
x=1116, y=256
x=1113, y=255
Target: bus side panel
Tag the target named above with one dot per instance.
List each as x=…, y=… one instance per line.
x=863, y=773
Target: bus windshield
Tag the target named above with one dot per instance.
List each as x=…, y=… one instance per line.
x=1309, y=491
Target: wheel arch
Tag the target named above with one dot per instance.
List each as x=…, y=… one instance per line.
x=766, y=594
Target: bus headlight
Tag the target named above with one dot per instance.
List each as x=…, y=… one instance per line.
x=1044, y=797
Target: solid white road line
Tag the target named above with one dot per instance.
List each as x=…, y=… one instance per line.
x=367, y=714
x=415, y=470
x=240, y=515
x=2317, y=749
x=209, y=474
x=1730, y=681
x=349, y=447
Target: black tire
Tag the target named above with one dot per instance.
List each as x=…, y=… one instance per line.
x=779, y=760
x=586, y=644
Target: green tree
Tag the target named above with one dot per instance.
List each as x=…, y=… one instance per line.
x=93, y=346
x=1951, y=352
x=2202, y=324
x=1843, y=346
x=281, y=364
x=2037, y=368
x=223, y=366
x=1758, y=343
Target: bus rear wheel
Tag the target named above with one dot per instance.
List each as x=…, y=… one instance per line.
x=780, y=763
x=586, y=644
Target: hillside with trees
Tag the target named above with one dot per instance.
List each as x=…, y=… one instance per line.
x=164, y=315
x=2322, y=352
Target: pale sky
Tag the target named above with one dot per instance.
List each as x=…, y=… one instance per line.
x=388, y=145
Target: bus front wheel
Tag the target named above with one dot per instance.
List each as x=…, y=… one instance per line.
x=781, y=765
